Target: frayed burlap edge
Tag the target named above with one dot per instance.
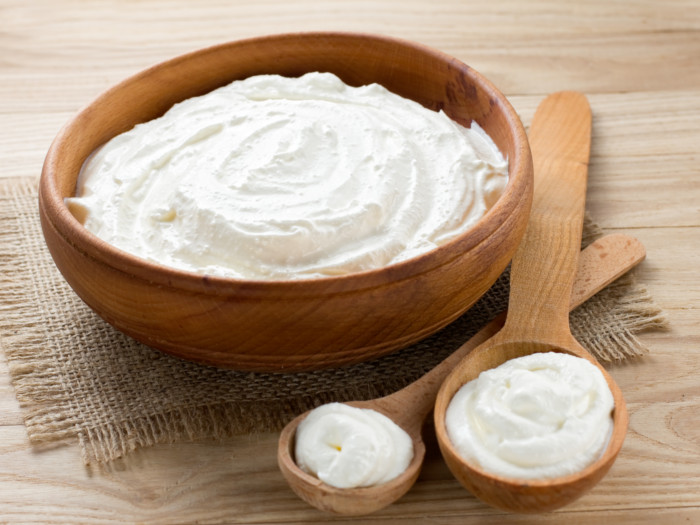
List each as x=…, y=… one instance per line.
x=631, y=305
x=23, y=339
x=634, y=310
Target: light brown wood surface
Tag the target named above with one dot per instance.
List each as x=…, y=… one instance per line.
x=638, y=63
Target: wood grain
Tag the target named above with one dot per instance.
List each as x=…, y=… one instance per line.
x=637, y=61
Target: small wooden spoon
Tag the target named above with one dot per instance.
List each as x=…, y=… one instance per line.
x=542, y=275
x=599, y=264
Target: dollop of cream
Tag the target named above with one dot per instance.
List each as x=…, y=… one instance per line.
x=350, y=447
x=274, y=178
x=540, y=416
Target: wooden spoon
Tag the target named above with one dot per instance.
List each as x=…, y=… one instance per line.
x=599, y=264
x=542, y=275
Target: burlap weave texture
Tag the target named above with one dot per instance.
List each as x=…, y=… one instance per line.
x=79, y=379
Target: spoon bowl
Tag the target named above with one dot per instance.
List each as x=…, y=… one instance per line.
x=353, y=501
x=524, y=496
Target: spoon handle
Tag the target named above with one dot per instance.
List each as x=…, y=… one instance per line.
x=599, y=264
x=544, y=266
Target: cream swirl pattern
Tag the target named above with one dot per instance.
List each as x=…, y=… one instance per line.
x=349, y=447
x=288, y=178
x=540, y=416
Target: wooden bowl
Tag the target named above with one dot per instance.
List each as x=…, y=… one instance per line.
x=288, y=325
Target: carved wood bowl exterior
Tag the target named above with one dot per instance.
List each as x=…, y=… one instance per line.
x=288, y=325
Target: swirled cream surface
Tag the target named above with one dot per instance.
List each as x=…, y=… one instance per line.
x=286, y=178
x=349, y=447
x=540, y=416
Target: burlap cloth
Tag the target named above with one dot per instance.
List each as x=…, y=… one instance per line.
x=78, y=379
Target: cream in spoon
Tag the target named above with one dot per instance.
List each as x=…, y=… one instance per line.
x=540, y=416
x=348, y=447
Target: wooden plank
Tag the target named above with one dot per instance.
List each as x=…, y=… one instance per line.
x=670, y=269
x=644, y=158
x=523, y=47
x=10, y=411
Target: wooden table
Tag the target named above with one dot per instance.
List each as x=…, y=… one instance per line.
x=639, y=63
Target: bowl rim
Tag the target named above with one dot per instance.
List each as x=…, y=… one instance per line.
x=55, y=214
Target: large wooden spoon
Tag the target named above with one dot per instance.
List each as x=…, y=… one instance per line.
x=542, y=275
x=599, y=264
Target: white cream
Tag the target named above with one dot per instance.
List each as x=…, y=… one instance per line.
x=287, y=178
x=536, y=417
x=350, y=447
